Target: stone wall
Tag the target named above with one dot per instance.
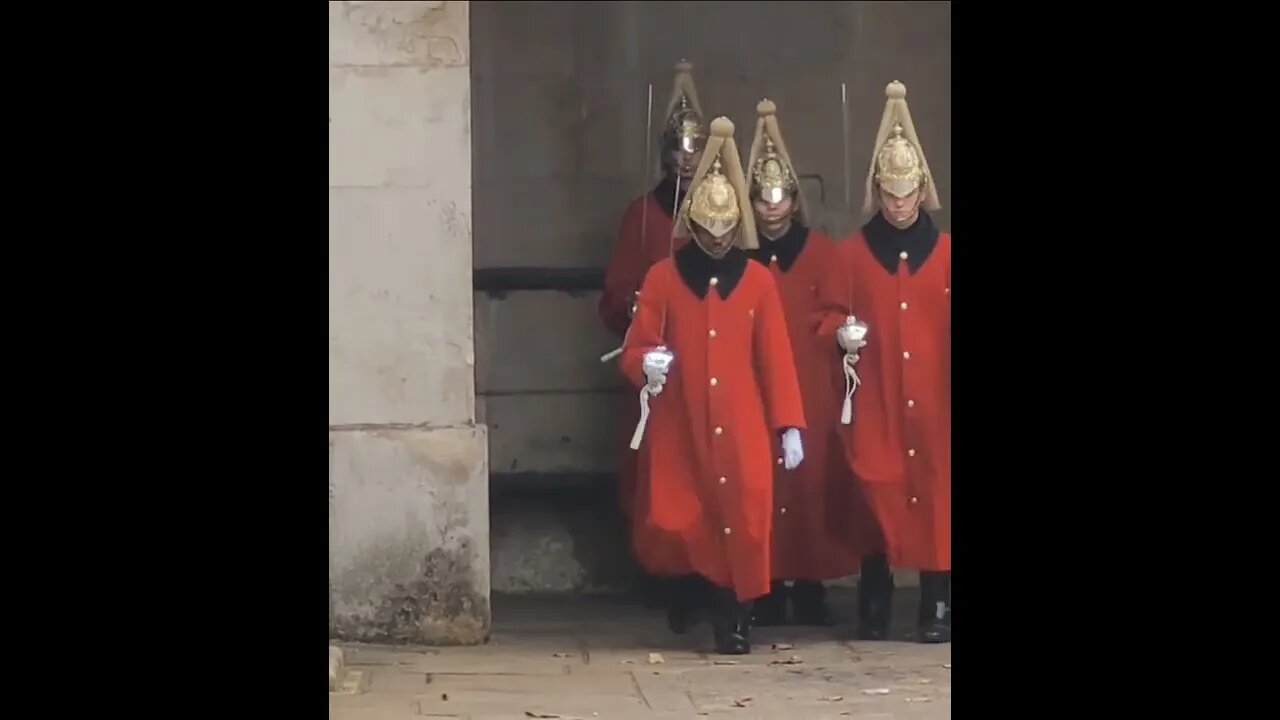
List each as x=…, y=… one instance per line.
x=408, y=472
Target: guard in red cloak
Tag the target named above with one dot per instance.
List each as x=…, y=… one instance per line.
x=805, y=552
x=887, y=307
x=709, y=351
x=645, y=237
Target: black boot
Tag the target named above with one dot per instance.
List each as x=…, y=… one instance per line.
x=732, y=625
x=772, y=608
x=875, y=598
x=686, y=598
x=935, y=607
x=809, y=603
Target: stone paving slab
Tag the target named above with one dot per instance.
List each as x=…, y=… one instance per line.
x=599, y=667
x=335, y=667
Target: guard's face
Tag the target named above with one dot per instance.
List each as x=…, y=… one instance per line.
x=685, y=161
x=773, y=217
x=901, y=212
x=716, y=247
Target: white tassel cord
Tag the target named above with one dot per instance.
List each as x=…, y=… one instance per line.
x=645, y=393
x=851, y=383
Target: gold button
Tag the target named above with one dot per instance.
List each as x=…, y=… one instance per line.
x=711, y=333
x=947, y=291
x=903, y=254
x=773, y=259
x=914, y=499
x=784, y=511
x=714, y=382
x=906, y=355
x=903, y=306
x=727, y=531
x=715, y=281
x=911, y=452
x=911, y=403
x=719, y=430
x=723, y=479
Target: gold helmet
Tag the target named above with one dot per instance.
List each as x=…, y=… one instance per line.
x=897, y=163
x=684, y=127
x=717, y=199
x=772, y=172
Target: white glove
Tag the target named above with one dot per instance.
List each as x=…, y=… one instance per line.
x=792, y=451
x=850, y=335
x=656, y=364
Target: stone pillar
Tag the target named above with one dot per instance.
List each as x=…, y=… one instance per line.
x=408, y=477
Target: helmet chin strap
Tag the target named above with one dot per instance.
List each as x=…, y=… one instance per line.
x=777, y=230
x=915, y=213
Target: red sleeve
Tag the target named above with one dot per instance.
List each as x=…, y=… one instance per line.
x=626, y=269
x=835, y=292
x=645, y=332
x=775, y=362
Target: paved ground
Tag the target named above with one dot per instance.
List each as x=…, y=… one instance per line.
x=591, y=658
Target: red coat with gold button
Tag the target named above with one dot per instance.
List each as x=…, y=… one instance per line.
x=899, y=443
x=804, y=545
x=644, y=238
x=731, y=388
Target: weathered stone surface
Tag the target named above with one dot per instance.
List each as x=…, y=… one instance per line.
x=508, y=46
x=559, y=544
x=400, y=320
x=585, y=658
x=584, y=435
x=553, y=695
x=560, y=338
x=556, y=222
x=335, y=667
x=409, y=538
x=432, y=34
x=402, y=127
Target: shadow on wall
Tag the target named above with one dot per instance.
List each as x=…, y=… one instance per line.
x=570, y=540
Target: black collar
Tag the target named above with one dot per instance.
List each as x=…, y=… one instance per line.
x=665, y=194
x=785, y=249
x=888, y=243
x=697, y=270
